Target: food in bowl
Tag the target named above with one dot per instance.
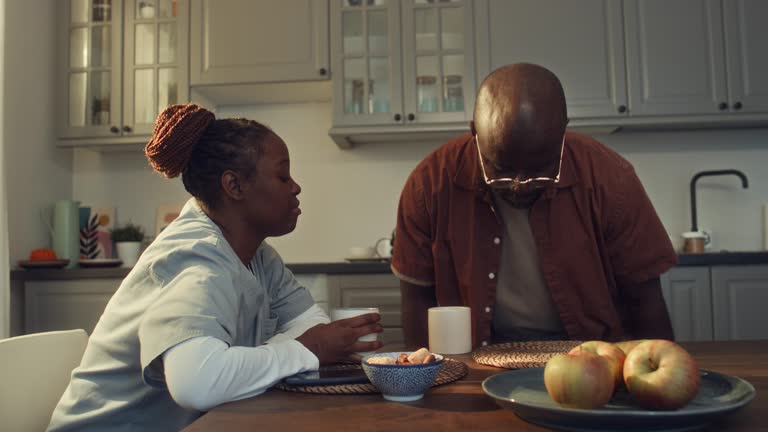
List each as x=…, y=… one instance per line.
x=405, y=381
x=420, y=356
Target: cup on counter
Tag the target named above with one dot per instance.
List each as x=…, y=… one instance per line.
x=450, y=329
x=694, y=242
x=344, y=313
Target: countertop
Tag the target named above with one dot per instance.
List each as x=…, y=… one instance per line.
x=723, y=258
x=378, y=267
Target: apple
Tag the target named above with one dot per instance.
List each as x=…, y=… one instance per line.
x=661, y=375
x=627, y=346
x=609, y=352
x=579, y=380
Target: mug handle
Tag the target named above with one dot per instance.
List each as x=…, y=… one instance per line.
x=376, y=247
x=46, y=219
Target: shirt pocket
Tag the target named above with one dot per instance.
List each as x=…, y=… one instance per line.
x=268, y=327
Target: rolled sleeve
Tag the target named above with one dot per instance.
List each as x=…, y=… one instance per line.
x=638, y=245
x=412, y=259
x=197, y=298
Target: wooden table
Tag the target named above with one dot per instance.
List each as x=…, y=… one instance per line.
x=462, y=405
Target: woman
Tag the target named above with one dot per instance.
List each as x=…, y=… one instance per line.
x=210, y=313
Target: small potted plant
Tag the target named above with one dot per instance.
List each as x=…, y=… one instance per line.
x=127, y=239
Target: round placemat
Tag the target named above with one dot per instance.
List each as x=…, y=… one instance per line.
x=451, y=371
x=518, y=355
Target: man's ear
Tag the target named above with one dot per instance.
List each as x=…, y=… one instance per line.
x=230, y=184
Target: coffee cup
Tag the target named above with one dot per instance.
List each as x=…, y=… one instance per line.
x=694, y=242
x=344, y=313
x=450, y=329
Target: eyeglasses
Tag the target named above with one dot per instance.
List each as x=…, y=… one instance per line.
x=513, y=183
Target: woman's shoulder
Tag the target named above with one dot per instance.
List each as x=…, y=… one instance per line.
x=190, y=242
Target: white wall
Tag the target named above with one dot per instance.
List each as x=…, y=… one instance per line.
x=4, y=260
x=350, y=196
x=37, y=173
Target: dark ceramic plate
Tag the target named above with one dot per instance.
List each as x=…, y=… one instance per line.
x=523, y=392
x=29, y=264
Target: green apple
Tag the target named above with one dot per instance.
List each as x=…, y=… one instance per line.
x=580, y=380
x=609, y=352
x=661, y=375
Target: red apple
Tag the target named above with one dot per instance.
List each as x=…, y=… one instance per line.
x=627, y=346
x=609, y=352
x=581, y=380
x=661, y=375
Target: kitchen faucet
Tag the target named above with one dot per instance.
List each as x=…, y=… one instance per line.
x=698, y=175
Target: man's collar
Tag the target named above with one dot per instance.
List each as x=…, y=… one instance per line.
x=468, y=175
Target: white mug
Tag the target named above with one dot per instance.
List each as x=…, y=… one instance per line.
x=343, y=313
x=450, y=329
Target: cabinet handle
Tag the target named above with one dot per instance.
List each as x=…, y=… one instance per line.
x=411, y=117
x=127, y=129
x=398, y=117
x=622, y=109
x=323, y=71
x=723, y=106
x=114, y=129
x=737, y=105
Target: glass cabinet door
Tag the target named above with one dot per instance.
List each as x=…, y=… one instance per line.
x=91, y=102
x=366, y=62
x=437, y=60
x=153, y=57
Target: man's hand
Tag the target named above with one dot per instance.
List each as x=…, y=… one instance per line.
x=337, y=341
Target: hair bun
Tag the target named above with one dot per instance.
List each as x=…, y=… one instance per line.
x=177, y=129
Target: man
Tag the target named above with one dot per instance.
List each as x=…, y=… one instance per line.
x=545, y=234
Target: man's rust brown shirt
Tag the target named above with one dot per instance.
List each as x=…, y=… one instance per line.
x=596, y=232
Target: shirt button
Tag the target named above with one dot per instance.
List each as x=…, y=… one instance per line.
x=496, y=240
x=484, y=343
x=487, y=309
x=491, y=276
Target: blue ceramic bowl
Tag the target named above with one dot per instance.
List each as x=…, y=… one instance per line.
x=402, y=383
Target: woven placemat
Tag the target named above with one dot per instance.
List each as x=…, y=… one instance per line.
x=518, y=355
x=451, y=371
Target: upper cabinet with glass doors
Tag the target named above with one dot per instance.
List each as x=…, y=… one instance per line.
x=402, y=62
x=122, y=63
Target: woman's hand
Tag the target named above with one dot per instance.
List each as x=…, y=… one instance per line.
x=337, y=341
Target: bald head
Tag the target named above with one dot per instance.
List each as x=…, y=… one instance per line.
x=520, y=117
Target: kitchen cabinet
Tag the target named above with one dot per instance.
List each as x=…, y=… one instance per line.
x=747, y=65
x=691, y=57
x=675, y=57
x=739, y=297
x=319, y=286
x=122, y=62
x=66, y=304
x=581, y=42
x=246, y=41
x=717, y=302
x=401, y=66
x=374, y=290
x=687, y=294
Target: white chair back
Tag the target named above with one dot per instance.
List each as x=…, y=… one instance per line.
x=34, y=372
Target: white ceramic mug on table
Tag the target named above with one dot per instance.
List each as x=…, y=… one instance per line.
x=450, y=329
x=344, y=313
